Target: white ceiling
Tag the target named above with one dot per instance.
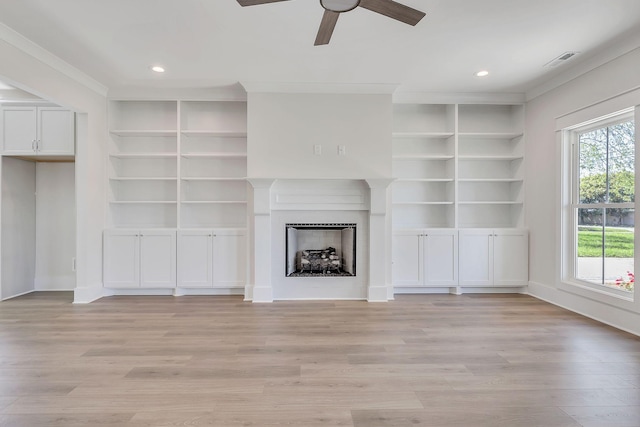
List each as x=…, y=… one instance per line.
x=205, y=43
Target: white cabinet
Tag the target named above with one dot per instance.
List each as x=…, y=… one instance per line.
x=493, y=257
x=37, y=130
x=139, y=259
x=427, y=257
x=212, y=258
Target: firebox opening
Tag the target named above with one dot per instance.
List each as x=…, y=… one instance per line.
x=320, y=250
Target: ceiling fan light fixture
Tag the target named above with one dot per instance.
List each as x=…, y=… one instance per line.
x=339, y=5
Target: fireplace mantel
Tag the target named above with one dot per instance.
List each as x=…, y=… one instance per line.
x=277, y=201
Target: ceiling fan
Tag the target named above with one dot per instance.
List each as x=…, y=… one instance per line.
x=333, y=9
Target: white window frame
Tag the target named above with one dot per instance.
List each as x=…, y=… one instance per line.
x=569, y=188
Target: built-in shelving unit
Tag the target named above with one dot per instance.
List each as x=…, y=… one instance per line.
x=458, y=166
x=178, y=164
x=424, y=165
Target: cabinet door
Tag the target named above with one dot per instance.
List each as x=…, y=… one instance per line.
x=229, y=258
x=440, y=258
x=56, y=133
x=407, y=258
x=157, y=259
x=121, y=259
x=19, y=130
x=195, y=259
x=511, y=258
x=476, y=257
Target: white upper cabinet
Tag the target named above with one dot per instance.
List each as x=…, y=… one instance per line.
x=37, y=131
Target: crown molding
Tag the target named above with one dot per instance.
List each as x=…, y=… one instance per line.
x=320, y=88
x=22, y=43
x=407, y=96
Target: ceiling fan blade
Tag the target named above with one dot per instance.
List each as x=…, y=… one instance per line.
x=327, y=25
x=394, y=10
x=256, y=2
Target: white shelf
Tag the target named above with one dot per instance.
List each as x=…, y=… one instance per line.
x=214, y=155
x=215, y=202
x=143, y=155
x=490, y=180
x=422, y=203
x=215, y=133
x=207, y=178
x=148, y=178
x=496, y=157
x=424, y=180
x=423, y=157
x=401, y=135
x=143, y=202
x=144, y=132
x=489, y=135
x=458, y=165
x=177, y=163
x=490, y=202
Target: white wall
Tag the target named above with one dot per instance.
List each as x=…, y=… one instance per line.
x=542, y=181
x=283, y=129
x=27, y=72
x=18, y=227
x=55, y=226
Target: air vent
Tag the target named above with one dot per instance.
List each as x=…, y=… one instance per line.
x=561, y=59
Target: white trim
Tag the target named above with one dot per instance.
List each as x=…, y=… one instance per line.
x=85, y=295
x=407, y=96
x=575, y=123
x=619, y=104
x=319, y=88
x=20, y=42
x=19, y=295
x=540, y=291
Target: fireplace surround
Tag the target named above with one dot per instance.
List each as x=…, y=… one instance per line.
x=278, y=203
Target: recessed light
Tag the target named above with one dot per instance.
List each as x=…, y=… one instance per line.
x=483, y=73
x=157, y=69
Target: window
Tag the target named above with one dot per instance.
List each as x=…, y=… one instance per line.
x=602, y=205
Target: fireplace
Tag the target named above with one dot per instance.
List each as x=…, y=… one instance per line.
x=344, y=215
x=320, y=250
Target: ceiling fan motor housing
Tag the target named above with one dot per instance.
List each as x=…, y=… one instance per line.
x=339, y=5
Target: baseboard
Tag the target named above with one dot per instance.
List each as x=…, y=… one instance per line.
x=611, y=316
x=461, y=290
x=178, y=292
x=377, y=294
x=18, y=295
x=87, y=295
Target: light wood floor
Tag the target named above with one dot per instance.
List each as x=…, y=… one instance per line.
x=502, y=360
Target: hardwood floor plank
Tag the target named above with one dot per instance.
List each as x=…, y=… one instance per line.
x=430, y=360
x=601, y=416
x=64, y=420
x=517, y=398
x=317, y=417
x=485, y=417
